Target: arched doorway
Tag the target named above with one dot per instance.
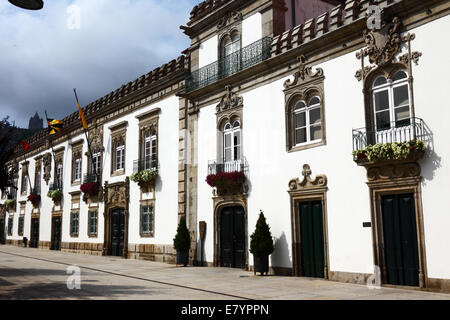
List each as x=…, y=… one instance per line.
x=232, y=237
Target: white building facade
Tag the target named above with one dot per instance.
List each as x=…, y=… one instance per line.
x=290, y=117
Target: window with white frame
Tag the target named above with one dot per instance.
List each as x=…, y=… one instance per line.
x=37, y=176
x=74, y=217
x=120, y=157
x=96, y=163
x=59, y=175
x=77, y=173
x=390, y=98
x=10, y=226
x=147, y=219
x=24, y=181
x=232, y=142
x=307, y=120
x=20, y=226
x=150, y=150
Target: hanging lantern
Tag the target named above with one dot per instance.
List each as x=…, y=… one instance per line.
x=28, y=4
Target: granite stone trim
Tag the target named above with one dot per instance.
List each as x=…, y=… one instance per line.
x=152, y=252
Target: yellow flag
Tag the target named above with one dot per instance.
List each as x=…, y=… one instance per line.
x=82, y=118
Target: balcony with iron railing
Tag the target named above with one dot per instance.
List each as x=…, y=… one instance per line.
x=92, y=177
x=216, y=167
x=55, y=186
x=407, y=130
x=145, y=164
x=233, y=63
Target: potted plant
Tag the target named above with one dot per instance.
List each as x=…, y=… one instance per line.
x=182, y=243
x=261, y=245
x=35, y=199
x=55, y=195
x=226, y=181
x=145, y=178
x=413, y=149
x=10, y=204
x=89, y=189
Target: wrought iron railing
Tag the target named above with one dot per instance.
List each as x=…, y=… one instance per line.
x=55, y=186
x=215, y=167
x=396, y=131
x=91, y=177
x=237, y=61
x=145, y=164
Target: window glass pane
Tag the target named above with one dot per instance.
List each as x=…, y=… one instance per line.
x=314, y=116
x=237, y=152
x=381, y=100
x=227, y=140
x=237, y=138
x=228, y=154
x=402, y=113
x=227, y=126
x=300, y=119
x=383, y=120
x=380, y=81
x=314, y=101
x=300, y=135
x=299, y=105
x=399, y=75
x=401, y=95
x=236, y=124
x=316, y=132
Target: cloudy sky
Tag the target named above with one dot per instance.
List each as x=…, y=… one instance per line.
x=45, y=54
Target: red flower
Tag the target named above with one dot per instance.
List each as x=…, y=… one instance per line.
x=91, y=188
x=34, y=198
x=225, y=179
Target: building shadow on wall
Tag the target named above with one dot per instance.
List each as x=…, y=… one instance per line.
x=280, y=259
x=431, y=160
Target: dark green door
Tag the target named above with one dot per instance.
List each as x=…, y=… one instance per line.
x=232, y=237
x=34, y=241
x=117, y=232
x=311, y=237
x=56, y=235
x=400, y=240
x=2, y=231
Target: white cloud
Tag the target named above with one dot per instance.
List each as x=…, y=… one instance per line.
x=42, y=60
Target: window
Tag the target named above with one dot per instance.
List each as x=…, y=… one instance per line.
x=74, y=223
x=77, y=161
x=24, y=181
x=120, y=158
x=10, y=226
x=150, y=151
x=21, y=220
x=92, y=223
x=232, y=142
x=96, y=164
x=37, y=176
x=390, y=98
x=147, y=220
x=59, y=175
x=307, y=121
x=231, y=58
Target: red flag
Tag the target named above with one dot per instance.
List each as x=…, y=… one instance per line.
x=25, y=145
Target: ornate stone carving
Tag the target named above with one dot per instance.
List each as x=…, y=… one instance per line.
x=229, y=18
x=229, y=101
x=393, y=171
x=117, y=195
x=47, y=160
x=304, y=74
x=383, y=46
x=307, y=182
x=96, y=139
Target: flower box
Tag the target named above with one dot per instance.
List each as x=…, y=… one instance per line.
x=90, y=188
x=227, y=182
x=145, y=178
x=410, y=150
x=35, y=199
x=10, y=204
x=55, y=195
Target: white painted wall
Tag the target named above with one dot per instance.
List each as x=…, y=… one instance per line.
x=251, y=29
x=207, y=52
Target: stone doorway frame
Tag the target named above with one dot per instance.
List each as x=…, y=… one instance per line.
x=307, y=190
x=221, y=202
x=395, y=178
x=116, y=196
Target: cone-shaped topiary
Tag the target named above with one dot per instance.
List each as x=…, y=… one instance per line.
x=182, y=240
x=261, y=243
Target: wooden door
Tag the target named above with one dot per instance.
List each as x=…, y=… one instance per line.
x=117, y=232
x=312, y=239
x=56, y=233
x=232, y=237
x=401, y=255
x=34, y=241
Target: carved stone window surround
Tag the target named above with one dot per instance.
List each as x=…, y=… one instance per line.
x=149, y=202
x=148, y=123
x=118, y=138
x=77, y=153
x=307, y=189
x=306, y=84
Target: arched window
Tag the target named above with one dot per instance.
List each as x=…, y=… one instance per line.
x=230, y=51
x=231, y=44
x=307, y=120
x=390, y=98
x=232, y=142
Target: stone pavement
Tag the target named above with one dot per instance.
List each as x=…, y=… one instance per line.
x=27, y=273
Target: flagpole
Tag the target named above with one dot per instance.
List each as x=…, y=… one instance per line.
x=24, y=160
x=53, y=151
x=87, y=138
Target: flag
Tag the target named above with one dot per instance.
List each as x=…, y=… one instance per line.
x=54, y=126
x=25, y=145
x=82, y=118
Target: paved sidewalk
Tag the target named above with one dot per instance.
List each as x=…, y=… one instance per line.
x=41, y=274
